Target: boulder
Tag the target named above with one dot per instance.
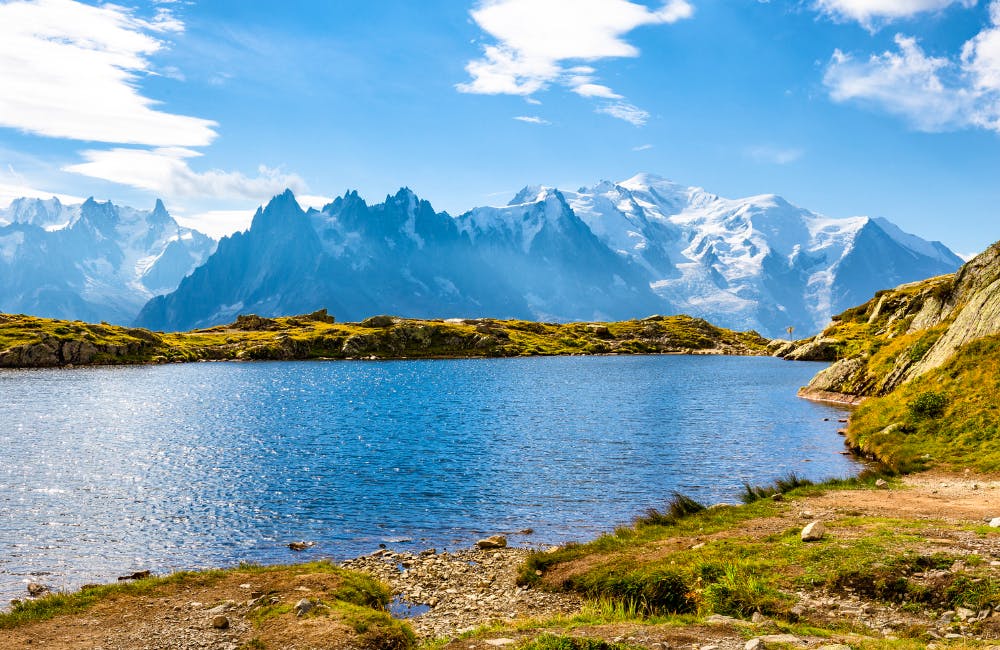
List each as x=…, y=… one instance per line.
x=496, y=541
x=813, y=532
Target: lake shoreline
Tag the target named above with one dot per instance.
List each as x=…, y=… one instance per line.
x=477, y=597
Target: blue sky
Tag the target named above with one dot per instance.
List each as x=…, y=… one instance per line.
x=879, y=107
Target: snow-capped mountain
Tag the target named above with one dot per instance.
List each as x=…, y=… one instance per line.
x=92, y=261
x=613, y=251
x=758, y=262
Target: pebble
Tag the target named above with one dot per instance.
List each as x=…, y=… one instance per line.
x=220, y=622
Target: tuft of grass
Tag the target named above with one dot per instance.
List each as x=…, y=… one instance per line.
x=739, y=590
x=792, y=481
x=363, y=590
x=679, y=507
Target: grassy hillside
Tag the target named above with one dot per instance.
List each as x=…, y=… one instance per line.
x=27, y=341
x=947, y=417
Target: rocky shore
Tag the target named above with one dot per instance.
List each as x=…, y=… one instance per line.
x=460, y=591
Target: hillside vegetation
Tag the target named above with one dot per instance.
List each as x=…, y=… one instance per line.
x=905, y=332
x=27, y=341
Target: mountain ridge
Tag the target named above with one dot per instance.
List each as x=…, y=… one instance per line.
x=610, y=252
x=91, y=261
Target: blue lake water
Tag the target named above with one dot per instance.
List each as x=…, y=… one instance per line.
x=105, y=471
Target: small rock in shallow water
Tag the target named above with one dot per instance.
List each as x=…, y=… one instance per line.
x=301, y=546
x=496, y=541
x=35, y=589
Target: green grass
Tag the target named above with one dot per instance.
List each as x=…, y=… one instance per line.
x=739, y=573
x=679, y=507
x=559, y=642
x=949, y=417
x=791, y=482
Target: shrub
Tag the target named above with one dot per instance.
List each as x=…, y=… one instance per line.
x=928, y=405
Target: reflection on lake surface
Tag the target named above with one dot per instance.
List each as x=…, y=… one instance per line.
x=110, y=470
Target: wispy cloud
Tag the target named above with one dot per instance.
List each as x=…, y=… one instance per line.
x=625, y=111
x=642, y=147
x=774, y=155
x=933, y=93
x=538, y=41
x=165, y=171
x=532, y=119
x=71, y=70
x=872, y=13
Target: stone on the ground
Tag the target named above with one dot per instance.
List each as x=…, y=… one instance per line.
x=835, y=646
x=496, y=541
x=220, y=622
x=995, y=522
x=499, y=642
x=719, y=619
x=788, y=639
x=881, y=483
x=754, y=644
x=304, y=606
x=813, y=532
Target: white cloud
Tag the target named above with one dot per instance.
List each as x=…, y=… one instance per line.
x=532, y=119
x=933, y=93
x=642, y=147
x=536, y=41
x=71, y=70
x=774, y=155
x=625, y=111
x=165, y=172
x=870, y=12
x=595, y=90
